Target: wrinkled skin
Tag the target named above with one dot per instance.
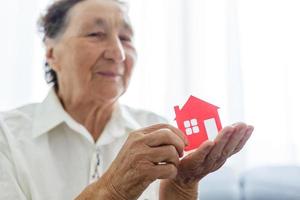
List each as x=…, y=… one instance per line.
x=154, y=153
x=149, y=154
x=94, y=58
x=211, y=155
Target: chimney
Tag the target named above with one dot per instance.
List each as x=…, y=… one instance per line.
x=177, y=110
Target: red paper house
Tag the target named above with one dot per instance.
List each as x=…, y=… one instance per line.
x=199, y=121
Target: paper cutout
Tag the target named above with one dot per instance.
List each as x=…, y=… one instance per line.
x=199, y=120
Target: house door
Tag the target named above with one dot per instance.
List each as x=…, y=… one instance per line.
x=211, y=128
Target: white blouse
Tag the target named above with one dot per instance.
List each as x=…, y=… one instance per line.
x=47, y=155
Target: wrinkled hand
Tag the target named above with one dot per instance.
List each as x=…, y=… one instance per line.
x=211, y=155
x=148, y=154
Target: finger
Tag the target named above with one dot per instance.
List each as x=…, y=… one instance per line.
x=244, y=140
x=175, y=130
x=201, y=153
x=180, y=134
x=220, y=143
x=164, y=154
x=164, y=137
x=236, y=137
x=164, y=171
x=193, y=164
x=219, y=164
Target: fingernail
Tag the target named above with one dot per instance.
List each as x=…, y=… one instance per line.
x=251, y=127
x=229, y=133
x=249, y=132
x=186, y=142
x=234, y=125
x=181, y=155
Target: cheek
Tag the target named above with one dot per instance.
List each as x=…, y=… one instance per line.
x=86, y=55
x=80, y=58
x=129, y=65
x=130, y=61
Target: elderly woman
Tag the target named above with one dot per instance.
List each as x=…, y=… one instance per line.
x=80, y=142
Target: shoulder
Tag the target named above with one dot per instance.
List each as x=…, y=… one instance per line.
x=17, y=122
x=142, y=117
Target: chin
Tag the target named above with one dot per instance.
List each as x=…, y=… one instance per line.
x=109, y=95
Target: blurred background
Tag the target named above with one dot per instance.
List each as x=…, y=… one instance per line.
x=241, y=55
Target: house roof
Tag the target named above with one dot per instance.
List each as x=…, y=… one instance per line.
x=194, y=100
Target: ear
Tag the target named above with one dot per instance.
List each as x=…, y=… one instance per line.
x=50, y=54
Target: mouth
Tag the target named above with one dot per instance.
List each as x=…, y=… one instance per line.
x=109, y=74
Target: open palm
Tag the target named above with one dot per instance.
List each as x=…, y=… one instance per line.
x=211, y=155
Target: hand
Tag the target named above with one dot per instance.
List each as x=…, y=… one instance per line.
x=210, y=156
x=148, y=154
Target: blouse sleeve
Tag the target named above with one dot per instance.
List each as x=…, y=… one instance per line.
x=9, y=186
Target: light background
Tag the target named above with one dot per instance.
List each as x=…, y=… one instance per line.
x=241, y=55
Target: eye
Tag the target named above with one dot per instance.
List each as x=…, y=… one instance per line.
x=125, y=38
x=96, y=34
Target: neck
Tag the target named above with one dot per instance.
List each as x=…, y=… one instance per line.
x=92, y=115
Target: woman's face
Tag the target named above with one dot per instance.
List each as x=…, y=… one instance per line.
x=95, y=55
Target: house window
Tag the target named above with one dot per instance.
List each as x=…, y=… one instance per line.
x=191, y=126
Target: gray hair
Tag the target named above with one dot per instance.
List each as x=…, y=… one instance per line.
x=52, y=24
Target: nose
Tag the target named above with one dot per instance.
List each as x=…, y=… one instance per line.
x=115, y=50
